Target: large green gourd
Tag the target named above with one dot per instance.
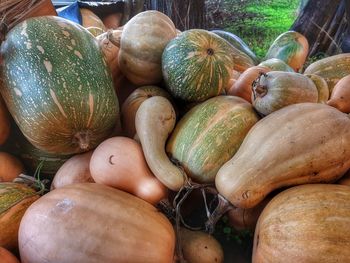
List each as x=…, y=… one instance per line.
x=197, y=65
x=210, y=134
x=57, y=85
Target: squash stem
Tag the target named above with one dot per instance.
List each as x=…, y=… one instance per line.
x=83, y=140
x=223, y=207
x=260, y=91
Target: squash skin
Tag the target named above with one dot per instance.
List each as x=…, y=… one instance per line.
x=10, y=167
x=332, y=68
x=129, y=224
x=197, y=65
x=307, y=223
x=322, y=87
x=7, y=257
x=244, y=84
x=155, y=120
x=291, y=47
x=340, y=97
x=278, y=151
x=238, y=43
x=276, y=64
x=142, y=43
x=14, y=201
x=58, y=83
x=133, y=102
x=75, y=170
x=277, y=89
x=219, y=124
x=5, y=126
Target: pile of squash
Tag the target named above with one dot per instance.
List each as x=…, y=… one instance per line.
x=124, y=121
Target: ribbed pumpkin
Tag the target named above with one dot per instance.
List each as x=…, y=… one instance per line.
x=57, y=85
x=142, y=43
x=209, y=135
x=308, y=223
x=291, y=47
x=332, y=68
x=14, y=201
x=93, y=223
x=197, y=65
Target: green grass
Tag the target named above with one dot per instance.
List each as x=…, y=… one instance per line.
x=261, y=21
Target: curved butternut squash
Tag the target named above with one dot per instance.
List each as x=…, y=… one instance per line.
x=155, y=120
x=299, y=144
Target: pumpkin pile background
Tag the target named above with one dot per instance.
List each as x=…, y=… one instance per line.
x=110, y=138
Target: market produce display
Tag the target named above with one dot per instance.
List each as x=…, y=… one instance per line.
x=135, y=143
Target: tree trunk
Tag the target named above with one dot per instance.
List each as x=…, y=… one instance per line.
x=325, y=23
x=186, y=14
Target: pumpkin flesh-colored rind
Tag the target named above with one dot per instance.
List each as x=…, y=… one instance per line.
x=301, y=143
x=307, y=223
x=94, y=223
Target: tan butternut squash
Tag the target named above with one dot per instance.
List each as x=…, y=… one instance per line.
x=277, y=89
x=133, y=102
x=155, y=120
x=74, y=170
x=94, y=223
x=307, y=223
x=299, y=144
x=340, y=97
x=119, y=162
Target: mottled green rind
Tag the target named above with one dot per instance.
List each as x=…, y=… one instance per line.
x=57, y=84
x=238, y=43
x=276, y=64
x=209, y=135
x=285, y=47
x=189, y=72
x=332, y=69
x=13, y=193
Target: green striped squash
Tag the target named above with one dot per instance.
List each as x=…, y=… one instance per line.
x=238, y=43
x=209, y=135
x=332, y=68
x=57, y=85
x=275, y=64
x=197, y=65
x=290, y=47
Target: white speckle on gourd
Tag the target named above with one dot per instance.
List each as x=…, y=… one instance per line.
x=28, y=44
x=78, y=54
x=41, y=49
x=18, y=92
x=69, y=47
x=24, y=29
x=48, y=66
x=73, y=42
x=66, y=33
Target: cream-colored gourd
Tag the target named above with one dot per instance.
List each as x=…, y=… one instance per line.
x=322, y=87
x=155, y=120
x=299, y=144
